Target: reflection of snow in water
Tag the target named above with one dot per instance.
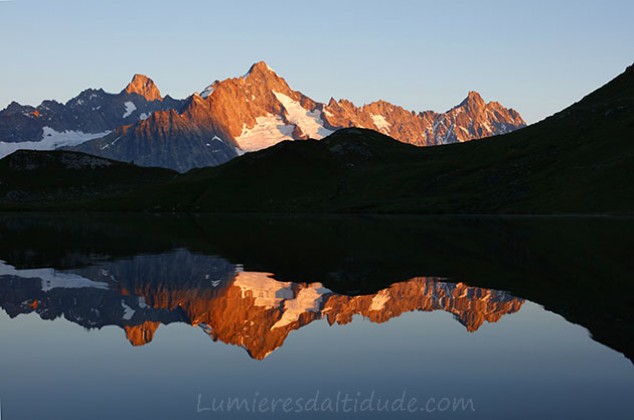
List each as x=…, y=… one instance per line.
x=51, y=278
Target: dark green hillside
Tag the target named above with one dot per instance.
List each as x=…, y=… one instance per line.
x=37, y=179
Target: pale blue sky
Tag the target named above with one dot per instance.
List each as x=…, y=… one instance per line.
x=535, y=56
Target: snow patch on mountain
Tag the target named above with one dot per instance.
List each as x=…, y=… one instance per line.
x=381, y=123
x=104, y=147
x=207, y=91
x=129, y=109
x=51, y=140
x=309, y=122
x=268, y=130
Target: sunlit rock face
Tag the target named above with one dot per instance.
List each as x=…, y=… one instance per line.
x=472, y=119
x=145, y=87
x=260, y=109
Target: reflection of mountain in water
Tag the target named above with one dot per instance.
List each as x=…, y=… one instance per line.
x=248, y=309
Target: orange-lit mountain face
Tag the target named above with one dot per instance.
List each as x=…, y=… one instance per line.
x=259, y=109
x=471, y=119
x=252, y=310
x=145, y=87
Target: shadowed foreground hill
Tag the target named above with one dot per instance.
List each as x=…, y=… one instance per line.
x=580, y=160
x=45, y=179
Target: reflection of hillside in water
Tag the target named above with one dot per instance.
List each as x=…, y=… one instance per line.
x=248, y=309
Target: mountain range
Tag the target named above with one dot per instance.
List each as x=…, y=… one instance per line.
x=92, y=114
x=228, y=118
x=579, y=160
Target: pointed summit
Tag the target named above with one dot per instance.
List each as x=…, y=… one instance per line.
x=473, y=102
x=473, y=97
x=260, y=68
x=144, y=86
x=15, y=108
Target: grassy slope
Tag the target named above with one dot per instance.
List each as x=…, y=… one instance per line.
x=580, y=160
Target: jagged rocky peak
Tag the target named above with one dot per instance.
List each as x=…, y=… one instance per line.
x=473, y=101
x=260, y=69
x=197, y=110
x=260, y=75
x=144, y=86
x=16, y=108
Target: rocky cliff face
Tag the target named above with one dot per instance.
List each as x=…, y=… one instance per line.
x=471, y=119
x=143, y=86
x=169, y=139
x=247, y=309
x=260, y=109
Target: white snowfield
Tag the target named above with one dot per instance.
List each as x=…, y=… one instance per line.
x=51, y=140
x=272, y=129
x=381, y=123
x=51, y=278
x=129, y=109
x=207, y=91
x=268, y=131
x=310, y=122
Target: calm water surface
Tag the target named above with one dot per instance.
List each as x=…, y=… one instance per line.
x=113, y=317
